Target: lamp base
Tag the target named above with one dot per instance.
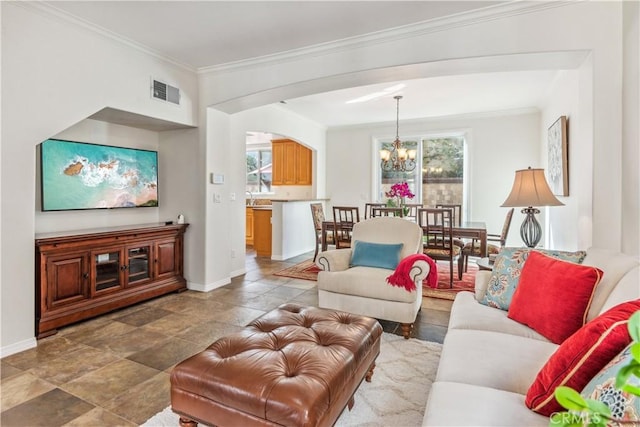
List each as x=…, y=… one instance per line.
x=530, y=230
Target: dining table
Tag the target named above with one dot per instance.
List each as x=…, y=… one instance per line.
x=466, y=230
x=472, y=230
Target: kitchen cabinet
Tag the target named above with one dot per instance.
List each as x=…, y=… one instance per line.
x=249, y=226
x=83, y=274
x=262, y=231
x=292, y=163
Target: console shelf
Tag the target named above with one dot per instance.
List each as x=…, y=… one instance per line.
x=83, y=274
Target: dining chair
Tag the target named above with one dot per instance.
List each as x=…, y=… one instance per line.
x=343, y=219
x=457, y=212
x=473, y=248
x=456, y=218
x=412, y=210
x=438, y=244
x=368, y=209
x=317, y=213
x=387, y=211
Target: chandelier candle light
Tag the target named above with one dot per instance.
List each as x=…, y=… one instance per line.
x=530, y=189
x=399, y=159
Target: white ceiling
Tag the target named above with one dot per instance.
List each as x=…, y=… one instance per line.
x=201, y=34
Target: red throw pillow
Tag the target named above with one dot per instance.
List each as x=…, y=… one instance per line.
x=553, y=296
x=581, y=357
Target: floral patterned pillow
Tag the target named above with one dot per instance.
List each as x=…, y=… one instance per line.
x=624, y=406
x=506, y=273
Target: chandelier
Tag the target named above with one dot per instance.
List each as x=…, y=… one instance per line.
x=399, y=159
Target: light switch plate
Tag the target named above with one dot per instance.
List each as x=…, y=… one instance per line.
x=216, y=178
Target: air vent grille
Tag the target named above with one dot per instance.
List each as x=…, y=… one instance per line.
x=165, y=92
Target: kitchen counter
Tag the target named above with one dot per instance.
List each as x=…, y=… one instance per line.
x=261, y=207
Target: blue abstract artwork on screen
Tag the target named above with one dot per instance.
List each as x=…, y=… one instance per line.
x=78, y=175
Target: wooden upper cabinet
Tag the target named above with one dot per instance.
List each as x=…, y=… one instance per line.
x=304, y=165
x=291, y=163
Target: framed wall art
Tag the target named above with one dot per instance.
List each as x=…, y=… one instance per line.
x=558, y=167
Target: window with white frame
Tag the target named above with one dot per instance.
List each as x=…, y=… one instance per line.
x=439, y=174
x=259, y=170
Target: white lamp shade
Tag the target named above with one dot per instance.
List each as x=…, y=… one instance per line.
x=530, y=188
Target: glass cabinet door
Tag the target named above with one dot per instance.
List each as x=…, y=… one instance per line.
x=107, y=265
x=138, y=268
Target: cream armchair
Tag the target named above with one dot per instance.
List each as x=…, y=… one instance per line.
x=364, y=290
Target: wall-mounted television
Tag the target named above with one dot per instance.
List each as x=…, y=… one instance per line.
x=79, y=175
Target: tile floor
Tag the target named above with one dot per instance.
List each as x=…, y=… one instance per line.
x=114, y=370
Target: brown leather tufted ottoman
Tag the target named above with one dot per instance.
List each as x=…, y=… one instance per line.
x=294, y=366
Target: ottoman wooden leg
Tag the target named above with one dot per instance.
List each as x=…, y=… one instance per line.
x=186, y=422
x=406, y=330
x=369, y=373
x=351, y=403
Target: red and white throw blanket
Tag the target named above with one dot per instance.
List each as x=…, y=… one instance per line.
x=401, y=277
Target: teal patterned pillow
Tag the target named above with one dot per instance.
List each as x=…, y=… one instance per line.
x=506, y=273
x=624, y=406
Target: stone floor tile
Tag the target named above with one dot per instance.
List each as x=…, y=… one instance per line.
x=99, y=417
x=47, y=349
x=208, y=332
x=100, y=332
x=129, y=342
x=166, y=354
x=104, y=384
x=263, y=302
x=143, y=316
x=54, y=408
x=7, y=371
x=172, y=324
x=238, y=316
x=284, y=292
x=141, y=402
x=65, y=368
x=21, y=388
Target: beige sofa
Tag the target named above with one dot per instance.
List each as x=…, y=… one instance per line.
x=489, y=361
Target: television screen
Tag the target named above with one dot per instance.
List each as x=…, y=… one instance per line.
x=78, y=175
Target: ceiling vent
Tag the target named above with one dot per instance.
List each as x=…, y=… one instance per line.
x=165, y=92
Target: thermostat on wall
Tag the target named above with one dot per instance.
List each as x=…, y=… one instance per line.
x=217, y=178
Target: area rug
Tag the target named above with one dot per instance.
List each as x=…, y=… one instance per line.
x=396, y=396
x=443, y=291
x=309, y=271
x=305, y=270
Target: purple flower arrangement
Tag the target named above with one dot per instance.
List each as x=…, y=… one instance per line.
x=398, y=193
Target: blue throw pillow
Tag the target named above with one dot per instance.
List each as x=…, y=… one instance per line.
x=381, y=255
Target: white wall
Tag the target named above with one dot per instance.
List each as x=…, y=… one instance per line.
x=547, y=27
x=181, y=192
x=631, y=129
x=498, y=145
x=569, y=226
x=54, y=75
x=97, y=132
x=277, y=120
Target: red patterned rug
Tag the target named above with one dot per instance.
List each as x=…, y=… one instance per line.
x=307, y=270
x=443, y=291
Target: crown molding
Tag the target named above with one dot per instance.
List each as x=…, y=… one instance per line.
x=500, y=11
x=50, y=11
x=489, y=13
x=440, y=119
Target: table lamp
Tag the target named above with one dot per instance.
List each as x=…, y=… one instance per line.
x=530, y=189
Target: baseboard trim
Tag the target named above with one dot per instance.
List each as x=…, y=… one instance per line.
x=209, y=286
x=239, y=272
x=18, y=347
